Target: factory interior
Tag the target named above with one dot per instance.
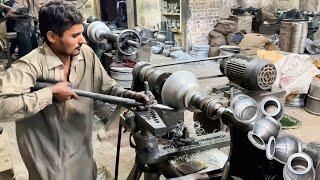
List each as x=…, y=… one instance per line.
x=160, y=89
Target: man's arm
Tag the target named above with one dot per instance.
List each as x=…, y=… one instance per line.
x=16, y=100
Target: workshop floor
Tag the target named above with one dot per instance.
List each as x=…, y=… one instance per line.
x=104, y=152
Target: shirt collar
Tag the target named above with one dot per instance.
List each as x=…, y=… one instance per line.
x=53, y=60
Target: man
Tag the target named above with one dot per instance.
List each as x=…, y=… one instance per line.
x=55, y=125
x=20, y=12
x=10, y=23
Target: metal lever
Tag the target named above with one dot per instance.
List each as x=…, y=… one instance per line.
x=133, y=43
x=146, y=91
x=146, y=87
x=108, y=98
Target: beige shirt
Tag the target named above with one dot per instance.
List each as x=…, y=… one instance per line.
x=54, y=138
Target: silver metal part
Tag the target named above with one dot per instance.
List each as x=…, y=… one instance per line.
x=109, y=98
x=178, y=89
x=144, y=34
x=244, y=108
x=271, y=106
x=299, y=167
x=250, y=73
x=127, y=41
x=282, y=148
x=313, y=100
x=96, y=30
x=263, y=129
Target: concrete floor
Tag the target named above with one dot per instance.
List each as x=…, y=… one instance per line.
x=104, y=152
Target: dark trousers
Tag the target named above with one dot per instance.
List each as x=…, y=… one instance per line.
x=14, y=42
x=13, y=45
x=26, y=42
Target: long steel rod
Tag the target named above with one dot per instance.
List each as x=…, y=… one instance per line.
x=108, y=98
x=190, y=61
x=211, y=77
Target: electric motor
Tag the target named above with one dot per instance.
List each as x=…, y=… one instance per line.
x=248, y=72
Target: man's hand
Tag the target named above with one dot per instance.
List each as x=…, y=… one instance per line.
x=144, y=98
x=62, y=92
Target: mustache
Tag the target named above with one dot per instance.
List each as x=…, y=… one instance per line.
x=79, y=46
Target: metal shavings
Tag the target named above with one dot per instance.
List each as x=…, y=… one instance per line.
x=178, y=130
x=198, y=129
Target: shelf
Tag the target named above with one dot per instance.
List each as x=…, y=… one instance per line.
x=171, y=14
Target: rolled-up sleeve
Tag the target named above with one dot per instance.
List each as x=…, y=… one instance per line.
x=16, y=100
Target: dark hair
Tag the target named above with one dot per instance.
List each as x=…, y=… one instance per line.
x=58, y=16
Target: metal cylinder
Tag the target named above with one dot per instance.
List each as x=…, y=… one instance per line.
x=96, y=32
x=145, y=34
x=127, y=41
x=212, y=108
x=110, y=36
x=155, y=77
x=313, y=100
x=271, y=106
x=244, y=108
x=299, y=167
x=179, y=88
x=262, y=130
x=250, y=73
x=282, y=148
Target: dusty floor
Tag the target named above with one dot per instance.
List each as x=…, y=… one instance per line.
x=104, y=152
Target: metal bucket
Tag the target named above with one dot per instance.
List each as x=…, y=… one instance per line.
x=313, y=99
x=123, y=76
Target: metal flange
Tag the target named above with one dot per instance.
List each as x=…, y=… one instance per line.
x=96, y=31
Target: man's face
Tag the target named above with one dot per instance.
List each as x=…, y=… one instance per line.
x=71, y=41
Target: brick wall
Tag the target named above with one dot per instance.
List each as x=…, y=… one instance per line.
x=202, y=18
